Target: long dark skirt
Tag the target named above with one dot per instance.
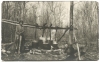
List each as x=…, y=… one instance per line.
x=22, y=43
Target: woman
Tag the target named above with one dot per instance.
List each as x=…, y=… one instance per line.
x=20, y=40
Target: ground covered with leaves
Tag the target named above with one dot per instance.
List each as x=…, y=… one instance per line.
x=89, y=56
x=29, y=57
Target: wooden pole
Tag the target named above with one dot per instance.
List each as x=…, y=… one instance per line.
x=35, y=33
x=71, y=24
x=77, y=47
x=20, y=39
x=71, y=34
x=55, y=35
x=50, y=34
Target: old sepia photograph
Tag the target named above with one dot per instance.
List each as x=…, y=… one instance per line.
x=50, y=31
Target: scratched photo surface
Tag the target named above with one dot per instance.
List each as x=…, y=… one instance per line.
x=50, y=31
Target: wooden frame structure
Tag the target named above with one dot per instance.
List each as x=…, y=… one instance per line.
x=38, y=27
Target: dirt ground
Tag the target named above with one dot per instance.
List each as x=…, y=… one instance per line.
x=29, y=57
x=90, y=56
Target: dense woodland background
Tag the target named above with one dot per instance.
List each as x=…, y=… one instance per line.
x=85, y=18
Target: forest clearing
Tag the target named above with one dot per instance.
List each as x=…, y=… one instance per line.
x=50, y=31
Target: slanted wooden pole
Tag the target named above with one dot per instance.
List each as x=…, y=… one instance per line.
x=77, y=47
